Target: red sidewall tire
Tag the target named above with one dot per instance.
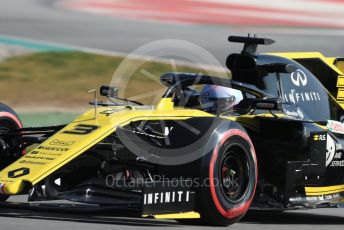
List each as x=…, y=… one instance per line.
x=7, y=112
x=236, y=210
x=9, y=120
x=213, y=204
x=12, y=117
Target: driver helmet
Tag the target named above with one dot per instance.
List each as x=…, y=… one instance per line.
x=216, y=98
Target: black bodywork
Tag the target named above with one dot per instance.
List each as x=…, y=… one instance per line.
x=289, y=158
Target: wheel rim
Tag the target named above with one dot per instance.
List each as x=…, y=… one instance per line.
x=234, y=174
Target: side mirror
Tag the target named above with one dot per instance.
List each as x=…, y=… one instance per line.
x=261, y=104
x=108, y=91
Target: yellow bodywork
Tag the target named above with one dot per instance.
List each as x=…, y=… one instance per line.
x=63, y=147
x=185, y=215
x=320, y=191
x=340, y=64
x=306, y=55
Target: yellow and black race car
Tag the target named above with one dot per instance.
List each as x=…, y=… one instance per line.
x=269, y=138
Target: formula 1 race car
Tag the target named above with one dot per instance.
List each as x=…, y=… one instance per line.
x=274, y=142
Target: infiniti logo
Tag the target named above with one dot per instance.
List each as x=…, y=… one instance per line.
x=299, y=78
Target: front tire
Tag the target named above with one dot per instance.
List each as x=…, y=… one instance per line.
x=10, y=145
x=231, y=169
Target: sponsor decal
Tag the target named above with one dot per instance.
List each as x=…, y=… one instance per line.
x=315, y=198
x=330, y=150
x=339, y=147
x=58, y=149
x=31, y=162
x=333, y=153
x=18, y=172
x=35, y=152
x=166, y=197
x=298, y=113
x=291, y=113
x=39, y=157
x=335, y=126
x=337, y=163
x=61, y=143
x=299, y=78
x=296, y=97
x=319, y=137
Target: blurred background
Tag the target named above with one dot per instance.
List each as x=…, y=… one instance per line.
x=53, y=51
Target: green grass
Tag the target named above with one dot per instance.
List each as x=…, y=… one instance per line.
x=31, y=119
x=59, y=81
x=62, y=79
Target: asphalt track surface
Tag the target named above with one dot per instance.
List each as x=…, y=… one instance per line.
x=14, y=218
x=42, y=20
